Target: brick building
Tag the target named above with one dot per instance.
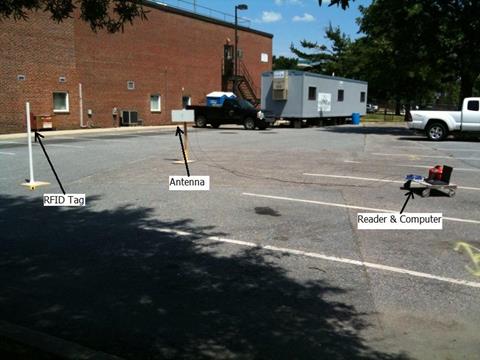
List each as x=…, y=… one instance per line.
x=84, y=78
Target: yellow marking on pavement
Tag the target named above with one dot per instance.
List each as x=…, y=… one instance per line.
x=474, y=254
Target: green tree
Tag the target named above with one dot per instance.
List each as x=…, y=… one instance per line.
x=400, y=63
x=343, y=3
x=432, y=40
x=325, y=59
x=100, y=14
x=284, y=63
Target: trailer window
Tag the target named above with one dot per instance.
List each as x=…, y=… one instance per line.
x=362, y=97
x=473, y=105
x=312, y=93
x=340, y=95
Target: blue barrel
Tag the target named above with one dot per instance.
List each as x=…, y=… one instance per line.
x=356, y=118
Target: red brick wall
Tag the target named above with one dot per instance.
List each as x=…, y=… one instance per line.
x=162, y=55
x=42, y=50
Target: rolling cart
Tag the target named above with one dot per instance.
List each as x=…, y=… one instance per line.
x=425, y=185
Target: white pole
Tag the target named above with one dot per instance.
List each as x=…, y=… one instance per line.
x=29, y=137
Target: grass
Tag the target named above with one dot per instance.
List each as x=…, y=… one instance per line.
x=380, y=117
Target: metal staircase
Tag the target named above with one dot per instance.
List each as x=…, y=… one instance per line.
x=245, y=86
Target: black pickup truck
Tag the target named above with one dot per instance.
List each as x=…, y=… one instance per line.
x=233, y=111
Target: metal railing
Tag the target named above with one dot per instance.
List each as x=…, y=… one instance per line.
x=251, y=83
x=193, y=7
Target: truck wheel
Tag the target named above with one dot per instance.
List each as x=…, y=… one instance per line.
x=201, y=122
x=436, y=131
x=249, y=124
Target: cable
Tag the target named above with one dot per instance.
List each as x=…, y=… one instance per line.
x=212, y=163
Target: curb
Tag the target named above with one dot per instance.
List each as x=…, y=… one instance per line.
x=21, y=342
x=92, y=131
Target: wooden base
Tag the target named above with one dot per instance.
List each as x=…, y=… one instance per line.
x=183, y=161
x=33, y=185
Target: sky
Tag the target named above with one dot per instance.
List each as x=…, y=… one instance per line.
x=290, y=21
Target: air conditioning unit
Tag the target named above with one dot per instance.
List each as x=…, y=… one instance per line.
x=129, y=118
x=281, y=94
x=280, y=85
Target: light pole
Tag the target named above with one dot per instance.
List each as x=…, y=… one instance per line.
x=235, y=71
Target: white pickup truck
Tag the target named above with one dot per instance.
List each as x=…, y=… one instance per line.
x=438, y=124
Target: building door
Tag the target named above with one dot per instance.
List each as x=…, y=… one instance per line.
x=186, y=100
x=228, y=61
x=228, y=67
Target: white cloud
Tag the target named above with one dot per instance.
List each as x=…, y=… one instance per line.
x=271, y=16
x=290, y=2
x=306, y=18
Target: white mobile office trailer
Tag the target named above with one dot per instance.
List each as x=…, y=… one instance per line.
x=297, y=96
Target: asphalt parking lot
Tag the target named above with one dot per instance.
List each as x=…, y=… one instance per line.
x=268, y=264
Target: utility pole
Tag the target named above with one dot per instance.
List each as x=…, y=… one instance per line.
x=235, y=71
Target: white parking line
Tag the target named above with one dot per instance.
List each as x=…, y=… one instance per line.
x=428, y=167
x=409, y=166
x=349, y=206
x=427, y=156
x=377, y=180
x=113, y=140
x=6, y=153
x=407, y=146
x=93, y=139
x=322, y=257
x=9, y=142
x=453, y=149
x=66, y=146
x=354, y=178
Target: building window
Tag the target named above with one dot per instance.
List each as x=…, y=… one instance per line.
x=130, y=85
x=312, y=93
x=264, y=58
x=60, y=101
x=362, y=97
x=155, y=103
x=340, y=95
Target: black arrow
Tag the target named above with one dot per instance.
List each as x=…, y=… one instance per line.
x=409, y=194
x=38, y=137
x=179, y=133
